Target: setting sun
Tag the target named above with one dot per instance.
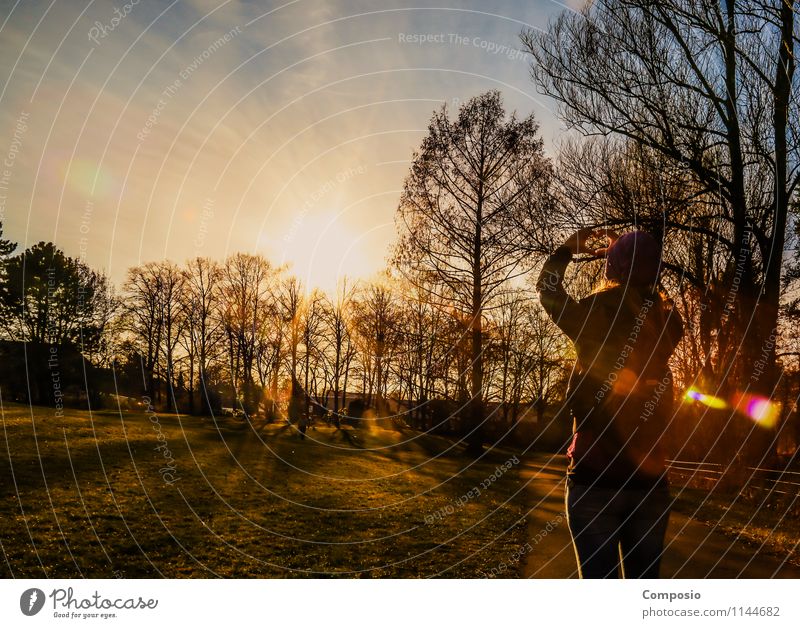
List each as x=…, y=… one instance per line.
x=322, y=248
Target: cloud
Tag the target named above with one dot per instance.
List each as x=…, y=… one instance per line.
x=250, y=106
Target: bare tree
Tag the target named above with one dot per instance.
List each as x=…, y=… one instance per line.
x=340, y=347
x=311, y=330
x=142, y=310
x=375, y=314
x=458, y=214
x=712, y=87
x=201, y=302
x=171, y=283
x=290, y=304
x=420, y=354
x=246, y=301
x=507, y=329
x=546, y=350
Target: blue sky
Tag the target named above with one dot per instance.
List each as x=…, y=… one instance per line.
x=170, y=130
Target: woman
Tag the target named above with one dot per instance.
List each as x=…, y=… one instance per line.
x=620, y=396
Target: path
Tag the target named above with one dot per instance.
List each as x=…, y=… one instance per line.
x=693, y=549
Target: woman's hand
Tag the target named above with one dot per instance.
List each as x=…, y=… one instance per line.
x=578, y=241
x=612, y=236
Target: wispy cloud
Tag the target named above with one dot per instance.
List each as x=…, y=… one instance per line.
x=254, y=106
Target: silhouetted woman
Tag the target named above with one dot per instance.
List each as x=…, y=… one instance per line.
x=620, y=397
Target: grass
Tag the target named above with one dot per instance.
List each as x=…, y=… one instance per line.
x=770, y=526
x=90, y=495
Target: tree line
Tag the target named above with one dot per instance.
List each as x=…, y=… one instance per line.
x=245, y=333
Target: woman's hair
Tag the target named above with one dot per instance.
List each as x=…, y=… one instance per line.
x=634, y=259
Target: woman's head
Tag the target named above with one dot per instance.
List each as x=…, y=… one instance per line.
x=634, y=258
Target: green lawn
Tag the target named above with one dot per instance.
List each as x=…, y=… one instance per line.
x=91, y=495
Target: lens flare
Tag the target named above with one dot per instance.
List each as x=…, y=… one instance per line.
x=88, y=178
x=764, y=412
x=707, y=400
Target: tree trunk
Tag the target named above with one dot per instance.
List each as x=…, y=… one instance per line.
x=191, y=384
x=475, y=437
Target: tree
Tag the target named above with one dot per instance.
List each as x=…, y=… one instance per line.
x=620, y=183
x=173, y=321
x=712, y=87
x=375, y=322
x=201, y=302
x=545, y=348
x=508, y=326
x=290, y=302
x=6, y=246
x=460, y=204
x=340, y=349
x=50, y=298
x=247, y=301
x=311, y=327
x=421, y=352
x=143, y=319
x=154, y=313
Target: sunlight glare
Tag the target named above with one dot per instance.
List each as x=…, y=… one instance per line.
x=323, y=250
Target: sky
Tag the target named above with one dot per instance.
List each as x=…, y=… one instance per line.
x=139, y=131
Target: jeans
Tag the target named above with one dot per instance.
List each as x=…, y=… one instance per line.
x=617, y=527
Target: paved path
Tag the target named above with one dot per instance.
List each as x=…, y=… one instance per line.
x=693, y=549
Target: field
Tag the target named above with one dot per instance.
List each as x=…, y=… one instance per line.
x=132, y=495
x=774, y=530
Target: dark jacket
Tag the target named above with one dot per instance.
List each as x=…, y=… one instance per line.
x=620, y=391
